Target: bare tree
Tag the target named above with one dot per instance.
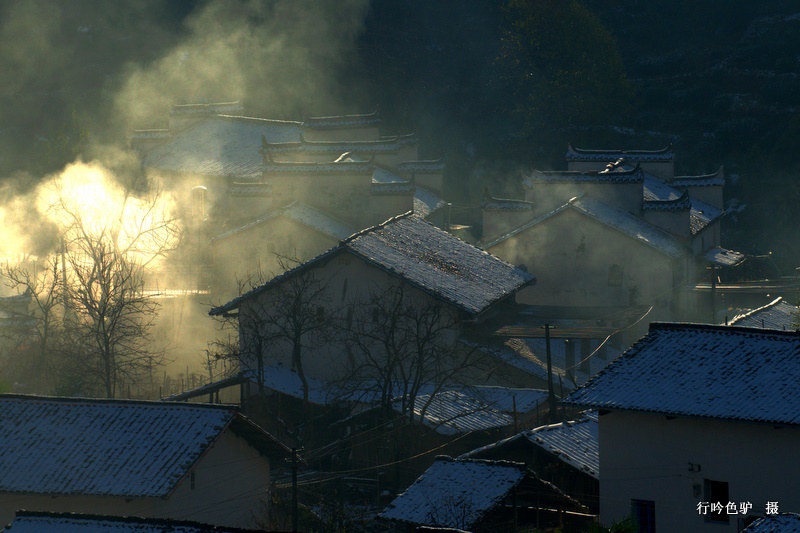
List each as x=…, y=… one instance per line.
x=401, y=346
x=294, y=316
x=108, y=314
x=38, y=326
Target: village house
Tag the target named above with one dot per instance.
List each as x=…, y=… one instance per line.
x=457, y=284
x=132, y=458
x=566, y=454
x=777, y=523
x=697, y=427
x=257, y=194
x=778, y=314
x=616, y=229
x=44, y=522
x=480, y=495
x=231, y=171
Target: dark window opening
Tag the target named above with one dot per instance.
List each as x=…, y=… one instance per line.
x=644, y=514
x=716, y=492
x=615, y=276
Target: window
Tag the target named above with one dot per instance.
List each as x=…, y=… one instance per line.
x=615, y=276
x=644, y=514
x=716, y=492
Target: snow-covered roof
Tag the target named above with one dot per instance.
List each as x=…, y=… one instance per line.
x=778, y=314
x=612, y=217
x=436, y=262
x=616, y=175
x=427, y=202
x=581, y=154
x=720, y=372
x=722, y=257
x=574, y=442
x=43, y=522
x=108, y=447
x=221, y=146
x=384, y=181
x=345, y=164
x=701, y=214
x=455, y=493
x=778, y=523
x=459, y=411
x=302, y=213
x=452, y=412
x=303, y=145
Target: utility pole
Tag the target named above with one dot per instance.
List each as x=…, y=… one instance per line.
x=551, y=395
x=295, y=527
x=713, y=269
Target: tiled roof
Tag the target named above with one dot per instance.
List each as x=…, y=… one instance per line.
x=720, y=372
x=580, y=154
x=458, y=411
x=635, y=175
x=221, y=146
x=490, y=203
x=43, y=522
x=422, y=166
x=681, y=203
x=384, y=181
x=455, y=493
x=436, y=262
x=529, y=355
x=779, y=523
x=380, y=146
x=778, y=314
x=614, y=218
x=427, y=202
x=630, y=225
x=343, y=165
x=717, y=179
x=104, y=447
x=575, y=442
x=302, y=213
x=216, y=108
x=342, y=121
x=722, y=257
x=451, y=411
x=701, y=214
x=249, y=190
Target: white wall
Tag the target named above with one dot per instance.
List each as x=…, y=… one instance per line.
x=230, y=482
x=647, y=456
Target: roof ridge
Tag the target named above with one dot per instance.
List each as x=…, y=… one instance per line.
x=590, y=151
x=378, y=226
x=762, y=332
x=698, y=177
x=130, y=519
x=751, y=312
x=490, y=462
x=116, y=401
